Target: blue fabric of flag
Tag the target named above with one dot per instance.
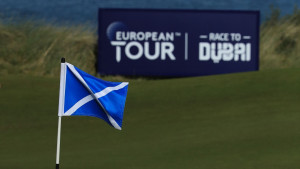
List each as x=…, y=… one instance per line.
x=113, y=102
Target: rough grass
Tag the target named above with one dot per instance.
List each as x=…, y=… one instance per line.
x=280, y=41
x=31, y=48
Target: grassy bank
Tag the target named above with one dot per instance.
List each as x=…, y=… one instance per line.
x=248, y=121
x=31, y=48
x=280, y=41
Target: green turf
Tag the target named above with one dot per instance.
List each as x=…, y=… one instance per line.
x=235, y=121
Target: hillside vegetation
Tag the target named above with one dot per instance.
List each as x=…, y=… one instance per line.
x=280, y=41
x=31, y=48
x=36, y=48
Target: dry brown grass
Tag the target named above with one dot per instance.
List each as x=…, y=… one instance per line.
x=30, y=48
x=280, y=41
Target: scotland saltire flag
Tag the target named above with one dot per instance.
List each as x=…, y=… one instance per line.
x=84, y=95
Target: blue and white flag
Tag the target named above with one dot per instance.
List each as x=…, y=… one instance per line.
x=84, y=95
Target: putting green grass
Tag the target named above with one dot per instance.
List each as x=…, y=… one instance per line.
x=235, y=121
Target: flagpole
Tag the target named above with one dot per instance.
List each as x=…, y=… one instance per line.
x=58, y=142
x=60, y=108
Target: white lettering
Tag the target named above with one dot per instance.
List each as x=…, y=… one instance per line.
x=118, y=35
x=161, y=37
x=236, y=36
x=154, y=36
x=118, y=48
x=204, y=51
x=167, y=49
x=216, y=54
x=162, y=49
x=248, y=52
x=144, y=36
x=239, y=52
x=218, y=37
x=169, y=36
x=147, y=35
x=224, y=52
x=227, y=51
x=132, y=36
x=156, y=53
x=140, y=36
x=139, y=48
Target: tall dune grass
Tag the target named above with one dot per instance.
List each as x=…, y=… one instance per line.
x=280, y=41
x=36, y=48
x=31, y=48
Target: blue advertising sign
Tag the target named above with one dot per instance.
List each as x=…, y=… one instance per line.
x=177, y=42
